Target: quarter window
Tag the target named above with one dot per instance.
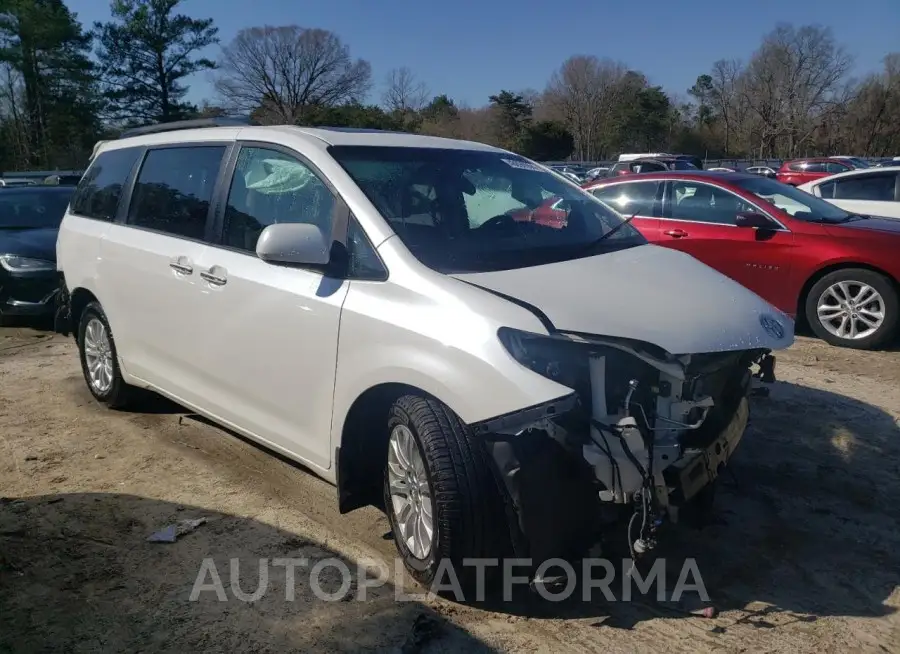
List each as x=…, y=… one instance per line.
x=364, y=261
x=632, y=198
x=836, y=168
x=826, y=190
x=174, y=189
x=99, y=191
x=878, y=188
x=271, y=187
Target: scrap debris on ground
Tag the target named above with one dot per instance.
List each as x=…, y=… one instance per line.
x=804, y=555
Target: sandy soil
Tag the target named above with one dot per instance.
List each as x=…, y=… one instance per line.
x=804, y=555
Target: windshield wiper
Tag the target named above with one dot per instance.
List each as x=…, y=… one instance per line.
x=589, y=246
x=615, y=229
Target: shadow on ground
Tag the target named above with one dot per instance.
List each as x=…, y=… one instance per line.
x=78, y=574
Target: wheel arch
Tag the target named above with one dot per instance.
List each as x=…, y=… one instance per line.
x=79, y=298
x=363, y=445
x=834, y=267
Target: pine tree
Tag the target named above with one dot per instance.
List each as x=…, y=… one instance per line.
x=147, y=51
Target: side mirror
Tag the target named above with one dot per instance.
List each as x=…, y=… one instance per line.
x=299, y=243
x=753, y=220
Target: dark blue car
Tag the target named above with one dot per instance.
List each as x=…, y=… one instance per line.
x=29, y=223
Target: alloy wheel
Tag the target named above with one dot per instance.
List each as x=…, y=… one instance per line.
x=98, y=356
x=851, y=310
x=411, y=501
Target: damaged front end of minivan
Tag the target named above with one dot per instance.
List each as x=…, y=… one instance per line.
x=644, y=435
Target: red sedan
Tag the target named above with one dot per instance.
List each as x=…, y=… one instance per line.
x=800, y=171
x=837, y=270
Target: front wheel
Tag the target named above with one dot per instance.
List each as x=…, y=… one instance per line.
x=442, y=497
x=855, y=308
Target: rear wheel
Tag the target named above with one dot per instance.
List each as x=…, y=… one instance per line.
x=99, y=360
x=855, y=308
x=441, y=495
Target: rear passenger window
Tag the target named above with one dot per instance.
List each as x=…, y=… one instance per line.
x=99, y=191
x=174, y=189
x=631, y=198
x=272, y=187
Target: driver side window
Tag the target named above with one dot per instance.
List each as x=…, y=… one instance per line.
x=704, y=203
x=271, y=187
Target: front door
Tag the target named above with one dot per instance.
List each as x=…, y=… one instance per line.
x=700, y=219
x=270, y=342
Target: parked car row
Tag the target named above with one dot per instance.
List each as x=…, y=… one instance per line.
x=794, y=172
x=380, y=308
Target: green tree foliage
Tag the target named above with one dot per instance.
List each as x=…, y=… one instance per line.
x=147, y=50
x=546, y=140
x=512, y=115
x=49, y=85
x=702, y=91
x=650, y=118
x=354, y=115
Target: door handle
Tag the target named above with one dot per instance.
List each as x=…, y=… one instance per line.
x=212, y=278
x=181, y=265
x=675, y=233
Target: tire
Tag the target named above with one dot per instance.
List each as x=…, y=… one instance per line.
x=854, y=278
x=469, y=515
x=117, y=394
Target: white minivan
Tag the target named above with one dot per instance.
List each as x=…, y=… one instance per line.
x=401, y=315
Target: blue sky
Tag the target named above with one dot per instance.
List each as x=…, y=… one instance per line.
x=470, y=49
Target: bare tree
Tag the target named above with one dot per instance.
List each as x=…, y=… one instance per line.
x=282, y=71
x=725, y=78
x=404, y=92
x=792, y=83
x=585, y=90
x=871, y=120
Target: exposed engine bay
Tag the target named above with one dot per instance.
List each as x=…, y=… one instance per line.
x=641, y=437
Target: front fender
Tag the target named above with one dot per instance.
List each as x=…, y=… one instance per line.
x=472, y=387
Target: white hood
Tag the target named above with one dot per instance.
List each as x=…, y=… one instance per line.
x=647, y=293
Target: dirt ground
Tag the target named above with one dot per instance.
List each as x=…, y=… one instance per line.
x=804, y=555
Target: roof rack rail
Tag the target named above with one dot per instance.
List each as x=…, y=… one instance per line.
x=186, y=124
